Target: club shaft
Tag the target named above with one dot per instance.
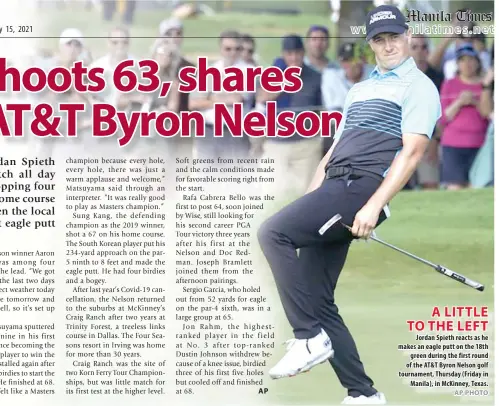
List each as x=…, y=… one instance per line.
x=439, y=268
x=444, y=271
x=424, y=261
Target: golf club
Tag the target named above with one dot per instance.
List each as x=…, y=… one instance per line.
x=439, y=268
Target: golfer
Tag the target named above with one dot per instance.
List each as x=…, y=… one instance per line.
x=388, y=121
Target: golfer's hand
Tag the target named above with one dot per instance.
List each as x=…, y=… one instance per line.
x=365, y=221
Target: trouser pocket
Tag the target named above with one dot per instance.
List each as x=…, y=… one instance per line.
x=358, y=192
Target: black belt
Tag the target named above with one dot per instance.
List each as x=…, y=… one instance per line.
x=350, y=173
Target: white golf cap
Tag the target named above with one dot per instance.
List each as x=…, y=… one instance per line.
x=170, y=24
x=71, y=34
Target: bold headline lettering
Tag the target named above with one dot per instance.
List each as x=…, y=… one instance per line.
x=469, y=318
x=143, y=76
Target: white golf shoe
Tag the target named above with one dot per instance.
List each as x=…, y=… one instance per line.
x=302, y=355
x=377, y=399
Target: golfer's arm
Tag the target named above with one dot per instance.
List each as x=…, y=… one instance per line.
x=403, y=167
x=319, y=173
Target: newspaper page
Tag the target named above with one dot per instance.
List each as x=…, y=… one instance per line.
x=246, y=203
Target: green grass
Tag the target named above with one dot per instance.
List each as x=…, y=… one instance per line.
x=380, y=289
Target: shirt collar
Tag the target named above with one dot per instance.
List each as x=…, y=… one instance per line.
x=398, y=71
